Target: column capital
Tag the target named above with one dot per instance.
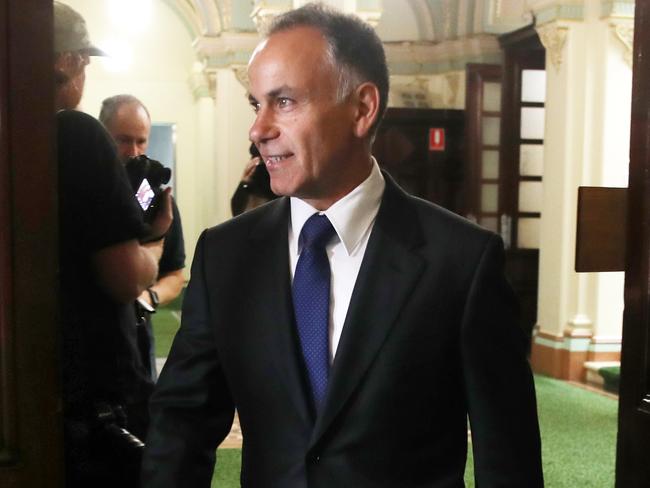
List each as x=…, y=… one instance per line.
x=623, y=30
x=553, y=38
x=203, y=82
x=241, y=73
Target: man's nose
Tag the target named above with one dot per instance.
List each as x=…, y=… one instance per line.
x=132, y=150
x=264, y=128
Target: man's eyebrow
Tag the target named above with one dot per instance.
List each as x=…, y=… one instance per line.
x=275, y=93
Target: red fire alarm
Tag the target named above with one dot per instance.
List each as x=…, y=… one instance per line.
x=436, y=139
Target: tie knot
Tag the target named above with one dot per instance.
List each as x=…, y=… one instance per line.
x=317, y=231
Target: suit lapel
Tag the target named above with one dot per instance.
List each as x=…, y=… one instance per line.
x=269, y=245
x=389, y=272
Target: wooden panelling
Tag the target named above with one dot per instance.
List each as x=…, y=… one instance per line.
x=600, y=234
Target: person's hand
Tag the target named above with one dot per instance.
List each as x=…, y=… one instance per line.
x=164, y=216
x=250, y=169
x=145, y=297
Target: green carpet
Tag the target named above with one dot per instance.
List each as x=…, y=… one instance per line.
x=578, y=430
x=578, y=435
x=165, y=324
x=227, y=476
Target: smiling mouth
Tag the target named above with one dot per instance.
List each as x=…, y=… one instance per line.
x=270, y=160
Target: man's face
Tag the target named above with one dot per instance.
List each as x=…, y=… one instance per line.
x=130, y=127
x=73, y=67
x=305, y=136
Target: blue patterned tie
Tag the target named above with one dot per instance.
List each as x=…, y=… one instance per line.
x=311, y=299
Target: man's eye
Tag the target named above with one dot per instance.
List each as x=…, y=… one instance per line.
x=284, y=102
x=255, y=106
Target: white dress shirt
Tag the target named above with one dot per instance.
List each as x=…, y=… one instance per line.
x=353, y=218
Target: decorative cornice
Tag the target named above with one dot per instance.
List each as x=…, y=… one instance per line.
x=623, y=9
x=265, y=10
x=551, y=13
x=227, y=49
x=500, y=17
x=453, y=82
x=553, y=37
x=371, y=17
x=411, y=92
x=624, y=32
x=226, y=13
x=416, y=58
x=404, y=58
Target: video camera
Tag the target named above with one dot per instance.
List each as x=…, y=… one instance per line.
x=147, y=176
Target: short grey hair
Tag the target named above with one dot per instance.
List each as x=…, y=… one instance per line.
x=353, y=47
x=111, y=105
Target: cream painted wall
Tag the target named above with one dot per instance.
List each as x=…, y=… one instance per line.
x=587, y=143
x=161, y=60
x=234, y=118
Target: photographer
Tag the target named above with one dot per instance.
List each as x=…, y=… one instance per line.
x=254, y=189
x=128, y=122
x=103, y=268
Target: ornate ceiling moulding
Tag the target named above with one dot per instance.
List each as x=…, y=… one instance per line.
x=453, y=82
x=410, y=92
x=226, y=13
x=226, y=50
x=553, y=38
x=547, y=11
x=265, y=10
x=502, y=16
x=371, y=17
x=413, y=58
x=624, y=32
x=200, y=17
x=623, y=9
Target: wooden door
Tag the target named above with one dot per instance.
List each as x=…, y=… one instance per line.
x=521, y=163
x=633, y=449
x=422, y=149
x=30, y=417
x=482, y=126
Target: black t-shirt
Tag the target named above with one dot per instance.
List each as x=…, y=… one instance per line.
x=173, y=256
x=97, y=209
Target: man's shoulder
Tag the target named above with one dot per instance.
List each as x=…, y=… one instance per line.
x=265, y=218
x=433, y=219
x=77, y=119
x=78, y=131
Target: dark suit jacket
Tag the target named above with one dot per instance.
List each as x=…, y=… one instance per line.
x=430, y=337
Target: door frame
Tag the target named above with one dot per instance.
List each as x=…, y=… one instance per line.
x=633, y=443
x=30, y=401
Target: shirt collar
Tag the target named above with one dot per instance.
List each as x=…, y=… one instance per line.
x=351, y=216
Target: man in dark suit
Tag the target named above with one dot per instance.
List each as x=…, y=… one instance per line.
x=353, y=327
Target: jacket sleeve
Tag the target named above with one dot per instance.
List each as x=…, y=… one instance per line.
x=191, y=408
x=498, y=380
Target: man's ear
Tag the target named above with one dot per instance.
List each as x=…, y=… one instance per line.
x=367, y=109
